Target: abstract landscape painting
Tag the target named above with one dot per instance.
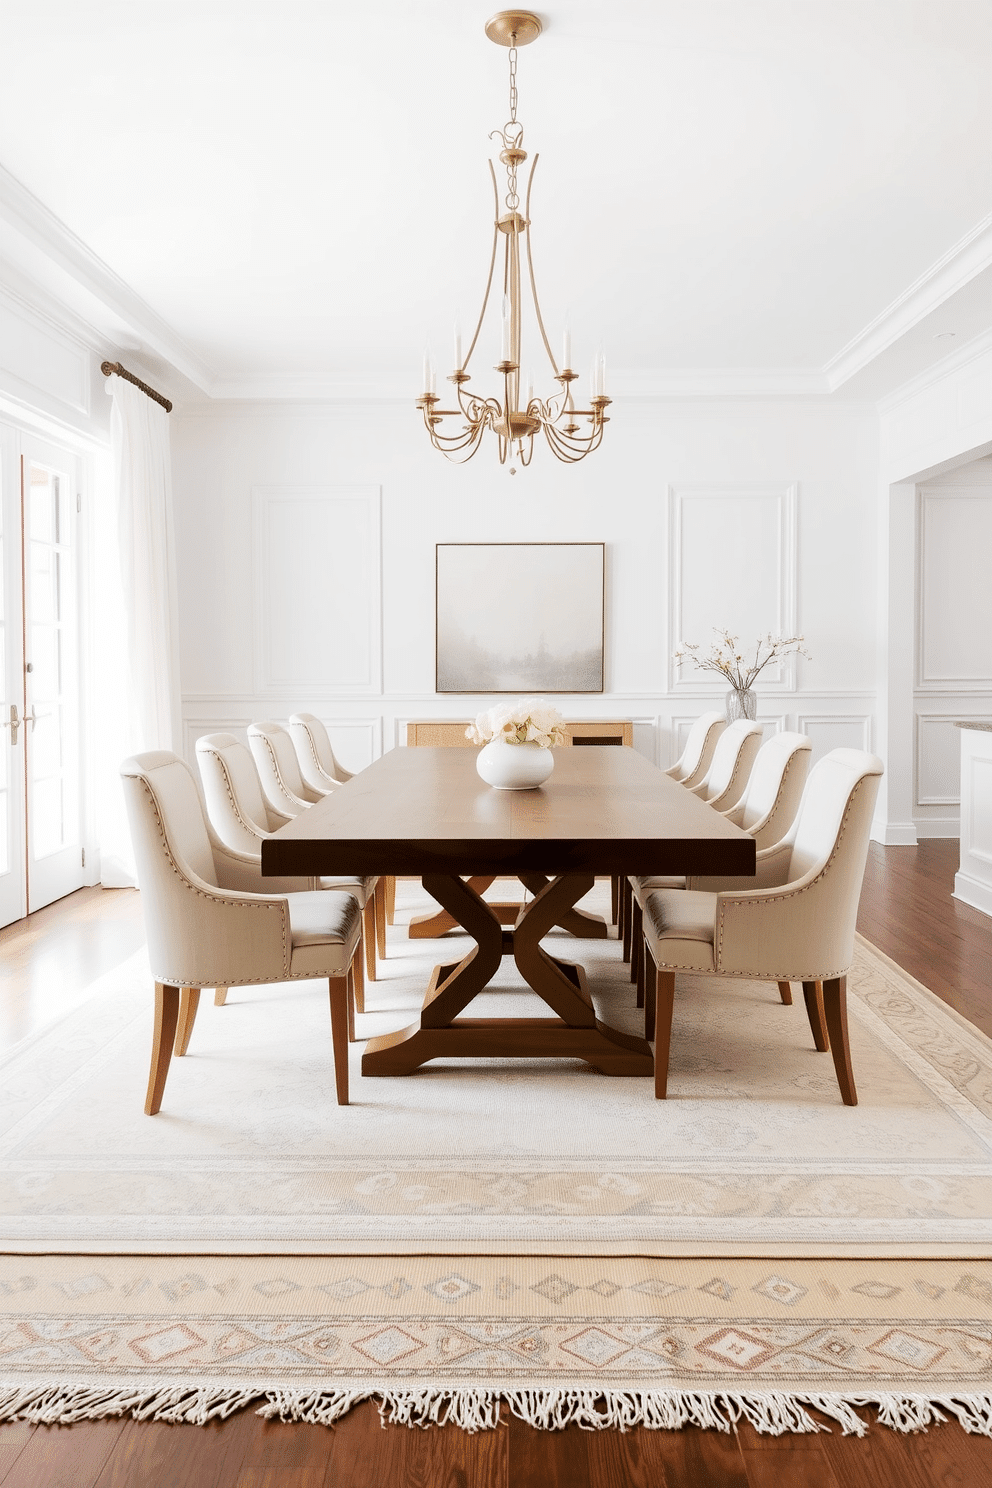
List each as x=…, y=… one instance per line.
x=520, y=617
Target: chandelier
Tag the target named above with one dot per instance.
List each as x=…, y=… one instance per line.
x=515, y=418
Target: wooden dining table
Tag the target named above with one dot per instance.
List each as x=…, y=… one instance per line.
x=426, y=812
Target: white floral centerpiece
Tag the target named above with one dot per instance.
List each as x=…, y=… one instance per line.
x=518, y=739
x=740, y=664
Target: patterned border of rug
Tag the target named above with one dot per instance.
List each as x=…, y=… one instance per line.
x=604, y=1342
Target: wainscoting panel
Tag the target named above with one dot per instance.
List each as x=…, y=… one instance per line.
x=938, y=761
x=316, y=567
x=732, y=561
x=954, y=645
x=837, y=731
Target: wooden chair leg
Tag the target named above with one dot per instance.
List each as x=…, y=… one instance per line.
x=835, y=1008
x=220, y=996
x=664, y=1001
x=615, y=898
x=368, y=935
x=390, y=898
x=621, y=907
x=338, y=987
x=785, y=992
x=380, y=918
x=636, y=939
x=189, y=1001
x=628, y=905
x=166, y=1018
x=813, y=994
x=650, y=994
x=358, y=970
x=351, y=1002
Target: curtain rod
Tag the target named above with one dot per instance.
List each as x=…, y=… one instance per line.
x=108, y=367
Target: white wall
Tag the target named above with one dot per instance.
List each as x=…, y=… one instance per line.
x=748, y=514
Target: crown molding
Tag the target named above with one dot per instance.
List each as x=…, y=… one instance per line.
x=978, y=346
x=29, y=217
x=968, y=257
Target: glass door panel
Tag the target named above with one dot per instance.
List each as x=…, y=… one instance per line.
x=13, y=881
x=54, y=856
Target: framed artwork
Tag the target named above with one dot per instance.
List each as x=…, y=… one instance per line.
x=520, y=617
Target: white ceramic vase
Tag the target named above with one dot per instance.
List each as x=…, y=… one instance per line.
x=514, y=766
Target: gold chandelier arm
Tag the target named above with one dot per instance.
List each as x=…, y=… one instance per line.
x=530, y=267
x=492, y=265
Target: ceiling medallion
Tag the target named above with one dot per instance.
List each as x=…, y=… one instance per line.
x=571, y=432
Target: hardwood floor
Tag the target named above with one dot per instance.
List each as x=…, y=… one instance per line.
x=906, y=910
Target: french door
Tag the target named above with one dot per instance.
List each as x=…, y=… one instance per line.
x=40, y=817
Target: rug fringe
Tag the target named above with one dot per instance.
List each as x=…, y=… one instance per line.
x=774, y=1413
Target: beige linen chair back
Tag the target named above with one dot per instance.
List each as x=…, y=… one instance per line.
x=279, y=770
x=318, y=763
x=697, y=755
x=727, y=777
x=198, y=934
x=237, y=810
x=803, y=917
x=774, y=789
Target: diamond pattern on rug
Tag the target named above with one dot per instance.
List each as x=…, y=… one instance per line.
x=388, y=1345
x=451, y=1288
x=780, y=1290
x=906, y=1348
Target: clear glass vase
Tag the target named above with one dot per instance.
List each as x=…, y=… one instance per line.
x=742, y=704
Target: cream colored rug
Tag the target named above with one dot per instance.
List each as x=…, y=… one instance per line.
x=753, y=1152
x=605, y=1342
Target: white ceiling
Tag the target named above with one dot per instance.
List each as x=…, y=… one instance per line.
x=733, y=195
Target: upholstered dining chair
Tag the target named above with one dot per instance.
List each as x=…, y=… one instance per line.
x=722, y=786
x=283, y=785
x=726, y=780
x=766, y=811
x=285, y=790
x=318, y=763
x=691, y=766
x=321, y=771
x=207, y=926
x=242, y=819
x=796, y=924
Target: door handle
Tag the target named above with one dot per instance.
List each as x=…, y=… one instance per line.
x=13, y=723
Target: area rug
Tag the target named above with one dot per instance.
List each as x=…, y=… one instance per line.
x=603, y=1342
x=753, y=1152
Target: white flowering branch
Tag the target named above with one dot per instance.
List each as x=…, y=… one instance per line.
x=738, y=664
x=529, y=721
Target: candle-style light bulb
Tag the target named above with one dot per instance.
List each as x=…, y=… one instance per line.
x=566, y=350
x=602, y=374
x=528, y=390
x=458, y=344
x=505, y=342
x=594, y=377
x=429, y=373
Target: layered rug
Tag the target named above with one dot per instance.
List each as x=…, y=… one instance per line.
x=531, y=1232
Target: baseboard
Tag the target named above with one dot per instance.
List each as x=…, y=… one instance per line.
x=894, y=834
x=970, y=891
x=938, y=826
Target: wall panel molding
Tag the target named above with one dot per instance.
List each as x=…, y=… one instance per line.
x=317, y=581
x=953, y=649
x=749, y=582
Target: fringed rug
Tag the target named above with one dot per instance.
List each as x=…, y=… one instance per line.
x=604, y=1342
x=530, y=1236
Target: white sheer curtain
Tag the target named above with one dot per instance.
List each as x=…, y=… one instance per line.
x=137, y=639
